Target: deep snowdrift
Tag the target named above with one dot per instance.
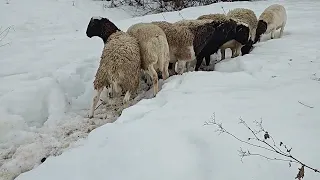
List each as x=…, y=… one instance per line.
x=46, y=91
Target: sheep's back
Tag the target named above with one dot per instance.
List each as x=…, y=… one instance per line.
x=216, y=17
x=145, y=31
x=273, y=14
x=177, y=36
x=150, y=37
x=120, y=62
x=193, y=23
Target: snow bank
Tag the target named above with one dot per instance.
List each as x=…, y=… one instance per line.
x=47, y=76
x=164, y=137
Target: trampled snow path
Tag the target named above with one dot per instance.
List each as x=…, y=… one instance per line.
x=163, y=137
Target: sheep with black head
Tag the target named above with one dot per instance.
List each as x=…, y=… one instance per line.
x=120, y=62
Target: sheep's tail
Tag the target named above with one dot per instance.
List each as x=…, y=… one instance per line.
x=163, y=47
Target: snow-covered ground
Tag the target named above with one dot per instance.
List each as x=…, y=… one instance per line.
x=46, y=77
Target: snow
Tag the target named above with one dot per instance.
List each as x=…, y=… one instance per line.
x=97, y=17
x=46, y=90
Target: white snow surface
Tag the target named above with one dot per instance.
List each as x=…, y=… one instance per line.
x=46, y=76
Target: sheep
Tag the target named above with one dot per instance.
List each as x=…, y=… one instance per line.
x=154, y=50
x=271, y=19
x=210, y=35
x=180, y=40
x=120, y=63
x=248, y=17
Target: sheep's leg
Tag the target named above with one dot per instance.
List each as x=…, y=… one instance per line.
x=207, y=58
x=154, y=77
x=199, y=62
x=180, y=67
x=143, y=76
x=223, y=53
x=125, y=103
x=172, y=70
x=165, y=70
x=281, y=30
x=188, y=66
x=233, y=52
x=237, y=50
x=116, y=89
x=148, y=79
x=272, y=33
x=95, y=101
x=126, y=99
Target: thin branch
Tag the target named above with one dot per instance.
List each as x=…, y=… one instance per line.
x=102, y=103
x=273, y=159
x=163, y=17
x=180, y=15
x=223, y=130
x=273, y=148
x=306, y=105
x=3, y=34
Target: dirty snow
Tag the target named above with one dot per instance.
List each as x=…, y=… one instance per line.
x=46, y=89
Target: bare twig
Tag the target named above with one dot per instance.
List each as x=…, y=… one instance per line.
x=223, y=10
x=223, y=130
x=163, y=17
x=180, y=15
x=4, y=33
x=305, y=105
x=265, y=145
x=102, y=103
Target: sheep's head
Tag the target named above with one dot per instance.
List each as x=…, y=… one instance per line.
x=247, y=48
x=242, y=33
x=261, y=29
x=101, y=27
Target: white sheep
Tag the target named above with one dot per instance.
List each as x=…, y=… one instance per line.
x=272, y=18
x=154, y=50
x=180, y=40
x=120, y=64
